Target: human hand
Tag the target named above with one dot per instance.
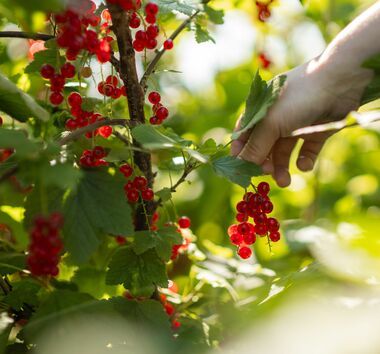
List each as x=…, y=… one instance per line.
x=313, y=93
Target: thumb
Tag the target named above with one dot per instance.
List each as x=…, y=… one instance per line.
x=238, y=144
x=260, y=142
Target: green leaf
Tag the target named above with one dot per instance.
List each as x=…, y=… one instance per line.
x=185, y=7
x=98, y=205
x=18, y=140
x=4, y=337
x=215, y=16
x=23, y=292
x=202, y=34
x=162, y=240
x=372, y=91
x=138, y=273
x=91, y=281
x=48, y=56
x=11, y=262
x=165, y=194
x=60, y=305
x=373, y=63
x=261, y=97
x=236, y=170
x=90, y=103
x=18, y=104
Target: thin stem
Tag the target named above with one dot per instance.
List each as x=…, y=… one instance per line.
x=27, y=35
x=152, y=65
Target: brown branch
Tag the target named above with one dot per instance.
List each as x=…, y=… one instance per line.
x=76, y=134
x=152, y=65
x=8, y=174
x=26, y=35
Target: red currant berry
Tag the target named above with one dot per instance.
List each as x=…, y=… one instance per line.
x=56, y=98
x=112, y=80
x=1, y=121
x=162, y=113
x=168, y=44
x=184, y=222
x=47, y=71
x=154, y=97
x=133, y=195
x=236, y=239
x=147, y=194
x=156, y=107
x=126, y=170
x=151, y=19
x=243, y=228
x=108, y=90
x=134, y=22
x=101, y=87
x=241, y=207
x=71, y=124
x=244, y=252
x=263, y=188
x=151, y=8
x=274, y=236
x=105, y=131
x=152, y=31
x=68, y=70
x=98, y=152
x=128, y=186
x=249, y=239
x=273, y=225
x=232, y=229
x=57, y=82
x=267, y=207
x=260, y=218
x=151, y=43
x=140, y=183
x=154, y=120
x=75, y=99
x=261, y=229
x=138, y=46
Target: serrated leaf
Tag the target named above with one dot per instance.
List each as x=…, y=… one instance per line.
x=202, y=34
x=261, y=97
x=97, y=206
x=11, y=262
x=162, y=240
x=165, y=194
x=185, y=7
x=18, y=104
x=236, y=170
x=138, y=273
x=23, y=292
x=48, y=56
x=215, y=16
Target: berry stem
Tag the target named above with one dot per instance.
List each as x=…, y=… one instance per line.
x=27, y=35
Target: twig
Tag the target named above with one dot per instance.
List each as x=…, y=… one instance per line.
x=27, y=35
x=160, y=53
x=101, y=123
x=8, y=174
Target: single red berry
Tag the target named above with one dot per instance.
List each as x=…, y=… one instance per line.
x=244, y=252
x=57, y=82
x=168, y=44
x=176, y=324
x=242, y=206
x=236, y=239
x=140, y=36
x=1, y=121
x=169, y=309
x=273, y=225
x=261, y=229
x=101, y=87
x=232, y=229
x=151, y=8
x=121, y=240
x=140, y=183
x=112, y=80
x=68, y=70
x=263, y=188
x=124, y=91
x=71, y=54
x=243, y=228
x=128, y=186
x=116, y=93
x=133, y=195
x=156, y=107
x=105, y=131
x=126, y=170
x=56, y=98
x=154, y=97
x=138, y=45
x=71, y=124
x=155, y=217
x=152, y=31
x=260, y=218
x=74, y=99
x=249, y=238
x=151, y=43
x=134, y=22
x=162, y=113
x=154, y=120
x=274, y=236
x=151, y=19
x=147, y=194
x=108, y=90
x=267, y=207
x=184, y=222
x=241, y=217
x=98, y=152
x=47, y=71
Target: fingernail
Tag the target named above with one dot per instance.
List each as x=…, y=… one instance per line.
x=305, y=163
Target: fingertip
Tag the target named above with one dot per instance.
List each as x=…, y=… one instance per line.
x=282, y=178
x=305, y=163
x=267, y=167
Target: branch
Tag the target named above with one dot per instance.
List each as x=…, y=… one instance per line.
x=76, y=134
x=8, y=174
x=152, y=65
x=27, y=35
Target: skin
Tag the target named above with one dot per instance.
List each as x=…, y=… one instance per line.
x=325, y=89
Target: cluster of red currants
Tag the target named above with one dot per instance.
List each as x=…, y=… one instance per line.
x=83, y=118
x=46, y=245
x=160, y=112
x=94, y=157
x=170, y=311
x=264, y=61
x=110, y=88
x=184, y=224
x=136, y=187
x=127, y=5
x=57, y=80
x=263, y=10
x=74, y=35
x=256, y=206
